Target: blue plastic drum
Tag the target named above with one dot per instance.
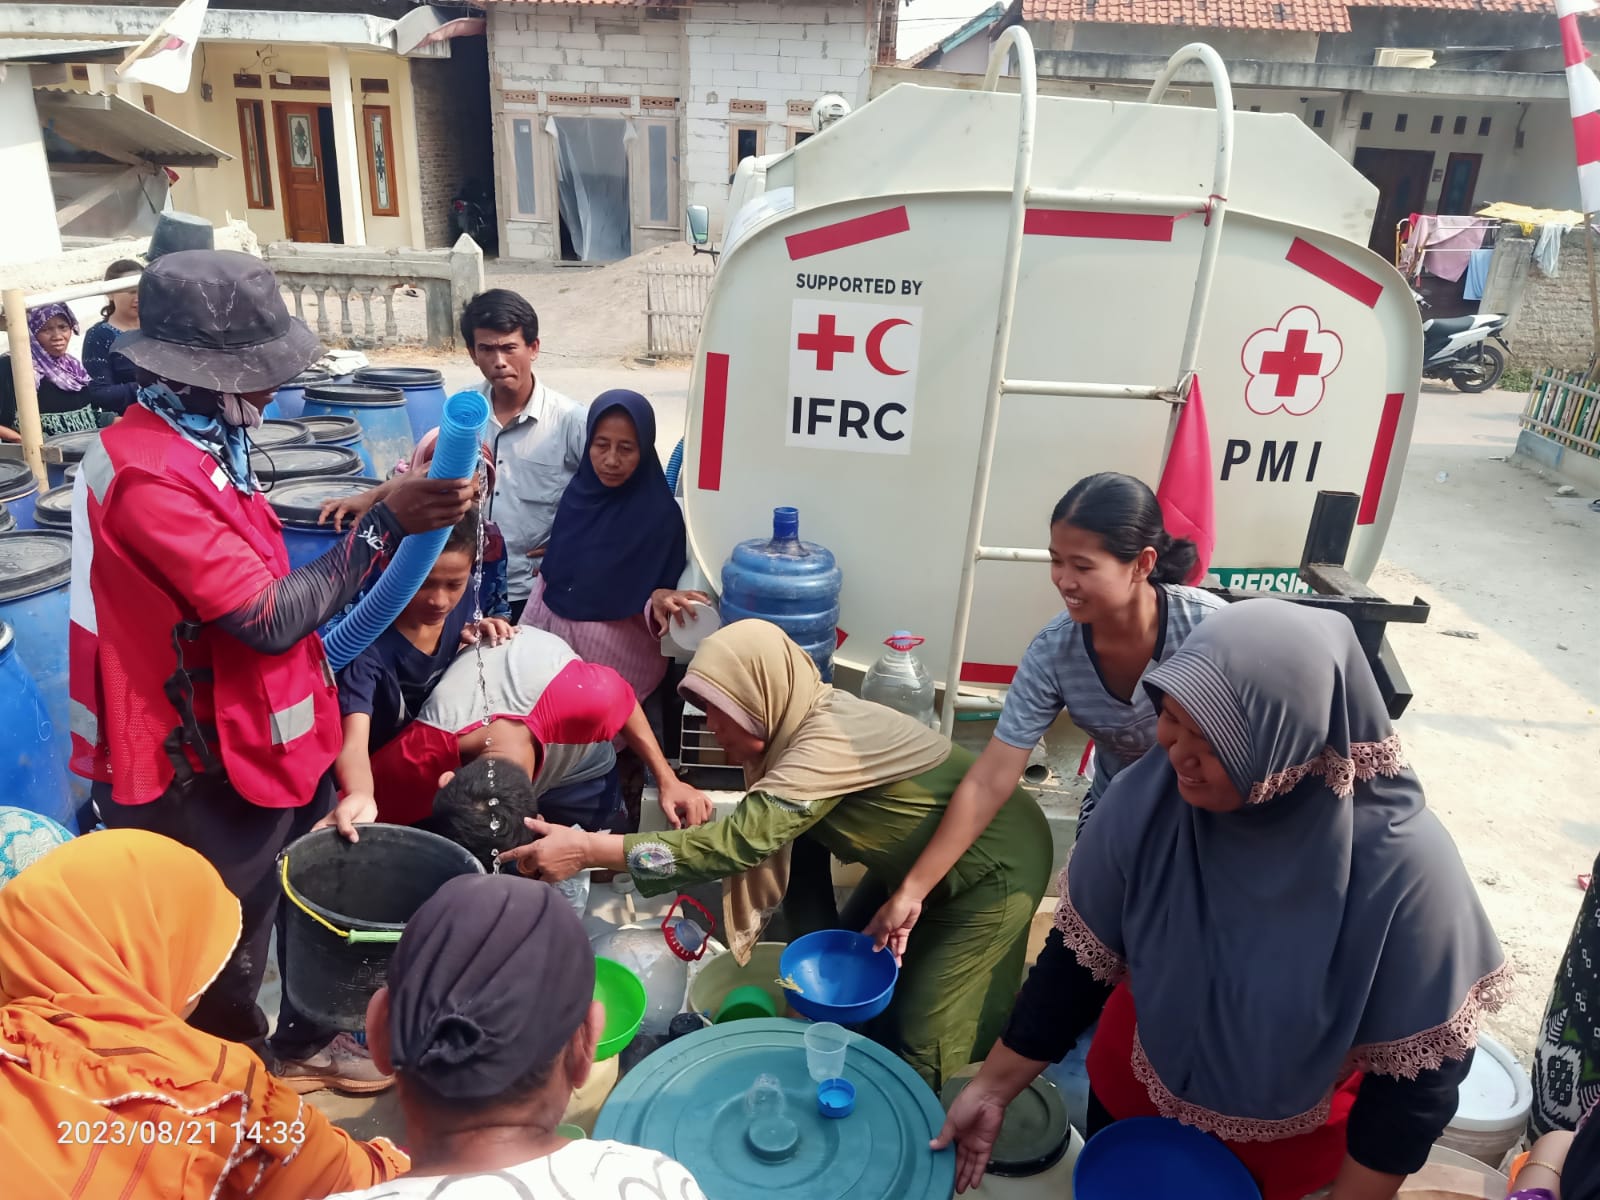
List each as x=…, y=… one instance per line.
x=338, y=431
x=791, y=583
x=381, y=413
x=423, y=388
x=73, y=446
x=35, y=569
x=298, y=503
x=33, y=774
x=273, y=434
x=736, y=1105
x=18, y=491
x=54, y=509
x=7, y=521
x=290, y=398
x=272, y=467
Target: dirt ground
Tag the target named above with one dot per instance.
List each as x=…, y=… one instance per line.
x=1503, y=729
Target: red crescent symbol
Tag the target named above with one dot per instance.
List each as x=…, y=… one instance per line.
x=875, y=345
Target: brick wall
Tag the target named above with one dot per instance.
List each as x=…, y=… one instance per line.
x=763, y=52
x=1553, y=327
x=711, y=55
x=454, y=132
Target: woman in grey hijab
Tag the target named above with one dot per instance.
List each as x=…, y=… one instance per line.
x=1277, y=936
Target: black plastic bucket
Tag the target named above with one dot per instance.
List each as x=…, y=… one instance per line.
x=345, y=906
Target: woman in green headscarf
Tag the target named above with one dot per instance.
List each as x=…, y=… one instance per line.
x=869, y=784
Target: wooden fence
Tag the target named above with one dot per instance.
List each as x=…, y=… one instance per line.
x=675, y=300
x=1565, y=407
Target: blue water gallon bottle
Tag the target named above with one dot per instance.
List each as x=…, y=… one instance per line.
x=791, y=583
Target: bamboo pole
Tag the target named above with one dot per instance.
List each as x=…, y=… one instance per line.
x=28, y=423
x=1594, y=301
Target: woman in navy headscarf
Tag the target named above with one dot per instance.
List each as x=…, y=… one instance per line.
x=608, y=585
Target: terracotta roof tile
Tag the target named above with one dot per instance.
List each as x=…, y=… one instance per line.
x=1290, y=16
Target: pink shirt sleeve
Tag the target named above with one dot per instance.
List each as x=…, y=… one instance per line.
x=583, y=705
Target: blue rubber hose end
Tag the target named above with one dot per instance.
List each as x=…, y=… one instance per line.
x=454, y=457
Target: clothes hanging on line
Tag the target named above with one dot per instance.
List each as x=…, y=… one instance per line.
x=1477, y=274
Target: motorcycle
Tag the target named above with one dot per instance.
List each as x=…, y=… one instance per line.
x=1457, y=349
x=472, y=213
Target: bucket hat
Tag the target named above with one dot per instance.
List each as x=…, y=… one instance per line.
x=215, y=319
x=180, y=231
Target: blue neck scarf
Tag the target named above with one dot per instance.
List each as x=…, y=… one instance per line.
x=213, y=432
x=611, y=547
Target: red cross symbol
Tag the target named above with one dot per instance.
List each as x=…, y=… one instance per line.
x=828, y=341
x=1291, y=363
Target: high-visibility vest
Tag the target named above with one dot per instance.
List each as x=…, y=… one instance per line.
x=158, y=695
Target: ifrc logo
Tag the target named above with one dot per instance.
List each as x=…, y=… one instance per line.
x=852, y=376
x=1289, y=364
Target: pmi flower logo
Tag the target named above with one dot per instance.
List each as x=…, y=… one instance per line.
x=1289, y=364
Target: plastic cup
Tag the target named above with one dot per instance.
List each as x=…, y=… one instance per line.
x=826, y=1046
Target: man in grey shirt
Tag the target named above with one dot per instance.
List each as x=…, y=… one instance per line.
x=537, y=435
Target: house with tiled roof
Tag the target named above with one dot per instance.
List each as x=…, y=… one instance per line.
x=965, y=49
x=612, y=117
x=1446, y=105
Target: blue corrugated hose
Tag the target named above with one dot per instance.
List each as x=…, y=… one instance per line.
x=455, y=457
x=674, y=466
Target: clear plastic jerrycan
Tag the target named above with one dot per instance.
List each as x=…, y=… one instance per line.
x=898, y=680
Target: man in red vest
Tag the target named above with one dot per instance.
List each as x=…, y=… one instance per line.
x=203, y=706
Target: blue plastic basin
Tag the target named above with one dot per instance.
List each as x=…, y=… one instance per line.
x=840, y=976
x=1155, y=1158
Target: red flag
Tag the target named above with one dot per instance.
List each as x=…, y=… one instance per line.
x=1186, y=490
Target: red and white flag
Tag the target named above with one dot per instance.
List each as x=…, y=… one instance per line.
x=163, y=59
x=1583, y=94
x=1185, y=491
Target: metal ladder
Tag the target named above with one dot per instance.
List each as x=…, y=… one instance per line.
x=1023, y=194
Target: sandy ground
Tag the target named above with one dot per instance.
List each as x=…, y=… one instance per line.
x=1503, y=728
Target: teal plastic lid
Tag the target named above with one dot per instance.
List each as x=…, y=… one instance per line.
x=689, y=1101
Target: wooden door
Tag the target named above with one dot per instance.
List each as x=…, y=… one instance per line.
x=1460, y=183
x=1402, y=178
x=300, y=169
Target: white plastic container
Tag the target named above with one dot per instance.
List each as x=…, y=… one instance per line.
x=1493, y=1109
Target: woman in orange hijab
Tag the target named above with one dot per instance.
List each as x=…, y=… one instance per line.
x=105, y=946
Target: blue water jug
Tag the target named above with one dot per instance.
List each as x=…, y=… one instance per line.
x=33, y=773
x=791, y=583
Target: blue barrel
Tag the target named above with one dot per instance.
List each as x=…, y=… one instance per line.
x=73, y=446
x=289, y=401
x=54, y=509
x=71, y=472
x=381, y=412
x=344, y=432
x=33, y=774
x=791, y=583
x=423, y=388
x=18, y=490
x=7, y=521
x=298, y=503
x=35, y=568
x=275, y=433
x=304, y=462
